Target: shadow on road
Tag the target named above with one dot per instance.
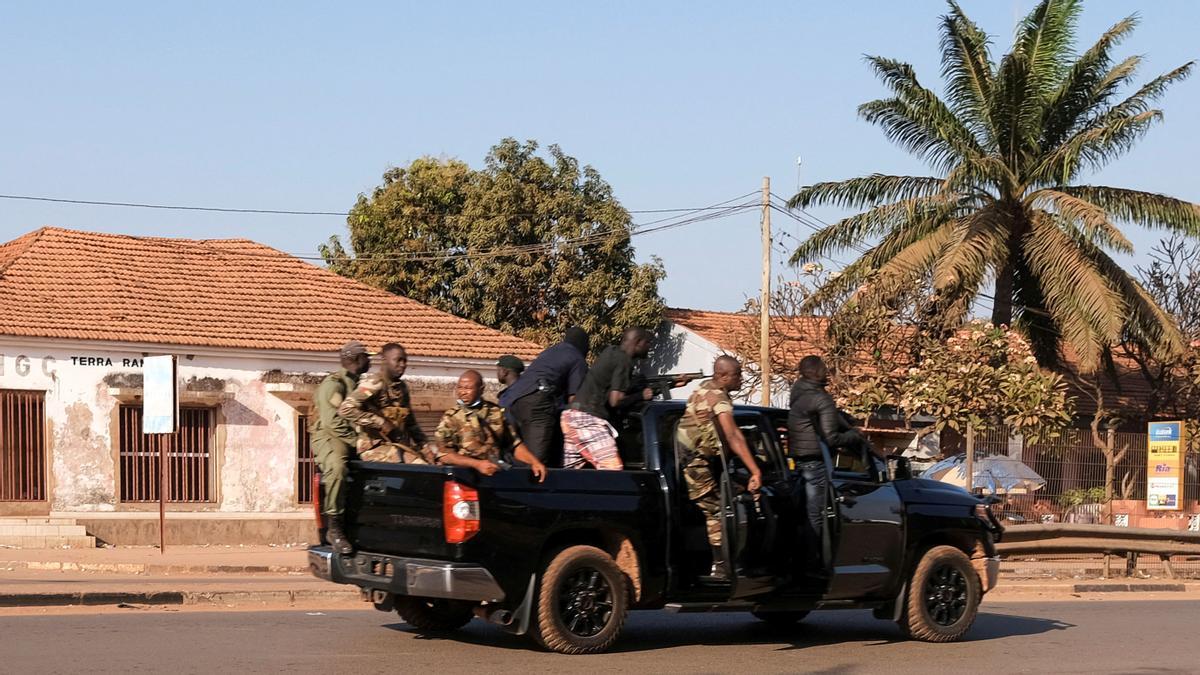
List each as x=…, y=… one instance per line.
x=646, y=631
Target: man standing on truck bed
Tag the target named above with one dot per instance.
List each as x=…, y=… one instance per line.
x=333, y=437
x=708, y=425
x=475, y=434
x=550, y=382
x=812, y=418
x=589, y=437
x=381, y=408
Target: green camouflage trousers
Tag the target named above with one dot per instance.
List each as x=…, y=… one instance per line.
x=331, y=455
x=703, y=492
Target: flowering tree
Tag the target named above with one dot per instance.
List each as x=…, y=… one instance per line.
x=900, y=357
x=981, y=376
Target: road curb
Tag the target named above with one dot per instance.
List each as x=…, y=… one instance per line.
x=1069, y=589
x=150, y=569
x=227, y=598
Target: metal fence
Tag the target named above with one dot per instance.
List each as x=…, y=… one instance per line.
x=1075, y=470
x=189, y=457
x=22, y=446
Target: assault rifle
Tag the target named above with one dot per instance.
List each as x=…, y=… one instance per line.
x=662, y=385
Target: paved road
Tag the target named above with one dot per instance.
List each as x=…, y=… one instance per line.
x=1080, y=636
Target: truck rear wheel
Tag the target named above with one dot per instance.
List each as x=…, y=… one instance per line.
x=943, y=596
x=582, y=602
x=434, y=614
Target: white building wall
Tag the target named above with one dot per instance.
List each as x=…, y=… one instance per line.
x=255, y=437
x=680, y=350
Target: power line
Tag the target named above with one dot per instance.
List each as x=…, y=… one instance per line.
x=713, y=212
x=289, y=212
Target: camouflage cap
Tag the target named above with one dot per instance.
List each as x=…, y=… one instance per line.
x=511, y=362
x=353, y=349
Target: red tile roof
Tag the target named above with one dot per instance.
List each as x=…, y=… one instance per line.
x=234, y=293
x=728, y=330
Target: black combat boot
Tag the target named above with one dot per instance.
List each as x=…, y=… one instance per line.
x=337, y=538
x=719, y=568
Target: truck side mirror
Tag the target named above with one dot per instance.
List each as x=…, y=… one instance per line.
x=899, y=467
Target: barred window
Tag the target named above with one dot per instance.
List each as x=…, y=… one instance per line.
x=190, y=466
x=305, y=465
x=22, y=446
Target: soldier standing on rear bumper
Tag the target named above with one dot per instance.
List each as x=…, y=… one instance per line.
x=381, y=409
x=333, y=437
x=708, y=426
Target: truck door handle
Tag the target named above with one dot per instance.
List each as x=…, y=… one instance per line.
x=374, y=487
x=846, y=499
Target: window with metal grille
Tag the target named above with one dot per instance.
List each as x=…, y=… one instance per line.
x=189, y=457
x=22, y=446
x=305, y=464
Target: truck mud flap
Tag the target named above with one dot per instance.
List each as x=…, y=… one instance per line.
x=524, y=611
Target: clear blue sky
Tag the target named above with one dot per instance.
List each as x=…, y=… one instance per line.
x=292, y=105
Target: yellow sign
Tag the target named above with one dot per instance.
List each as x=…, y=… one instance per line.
x=1164, y=466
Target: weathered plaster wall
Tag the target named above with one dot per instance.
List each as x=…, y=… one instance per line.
x=255, y=440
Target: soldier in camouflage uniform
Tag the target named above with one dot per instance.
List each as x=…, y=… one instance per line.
x=706, y=427
x=333, y=438
x=475, y=432
x=381, y=410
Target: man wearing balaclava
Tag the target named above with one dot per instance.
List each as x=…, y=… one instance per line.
x=546, y=386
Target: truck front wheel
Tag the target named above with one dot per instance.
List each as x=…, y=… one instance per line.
x=943, y=596
x=434, y=614
x=582, y=602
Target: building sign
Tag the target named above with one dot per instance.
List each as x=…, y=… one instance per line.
x=160, y=401
x=1164, y=466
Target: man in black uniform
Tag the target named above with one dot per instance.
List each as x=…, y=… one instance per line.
x=607, y=392
x=550, y=382
x=814, y=417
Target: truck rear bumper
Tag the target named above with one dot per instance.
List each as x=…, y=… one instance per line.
x=405, y=576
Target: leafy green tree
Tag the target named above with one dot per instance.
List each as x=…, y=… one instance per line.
x=1008, y=142
x=527, y=244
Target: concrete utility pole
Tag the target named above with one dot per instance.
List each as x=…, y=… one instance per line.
x=764, y=310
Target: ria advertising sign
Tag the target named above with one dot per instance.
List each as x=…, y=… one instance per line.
x=1164, y=466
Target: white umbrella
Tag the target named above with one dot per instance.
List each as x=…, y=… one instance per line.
x=994, y=475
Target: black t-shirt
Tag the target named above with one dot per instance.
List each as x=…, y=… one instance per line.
x=610, y=372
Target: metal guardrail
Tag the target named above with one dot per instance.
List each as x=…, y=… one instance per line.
x=1055, y=538
x=1068, y=538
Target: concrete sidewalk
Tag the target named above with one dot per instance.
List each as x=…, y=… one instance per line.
x=176, y=560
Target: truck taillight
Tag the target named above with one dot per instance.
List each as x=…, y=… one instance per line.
x=460, y=512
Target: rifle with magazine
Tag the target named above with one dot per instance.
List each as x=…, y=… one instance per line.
x=662, y=385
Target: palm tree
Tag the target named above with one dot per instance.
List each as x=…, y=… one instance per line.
x=1006, y=144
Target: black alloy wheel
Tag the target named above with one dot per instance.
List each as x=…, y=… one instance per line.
x=585, y=602
x=946, y=595
x=942, y=598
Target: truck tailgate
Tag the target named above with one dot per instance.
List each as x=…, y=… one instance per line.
x=396, y=509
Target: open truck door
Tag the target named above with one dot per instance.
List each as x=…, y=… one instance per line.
x=755, y=536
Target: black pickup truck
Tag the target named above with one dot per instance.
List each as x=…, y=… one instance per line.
x=565, y=560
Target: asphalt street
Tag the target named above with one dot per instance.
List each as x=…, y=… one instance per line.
x=1081, y=636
